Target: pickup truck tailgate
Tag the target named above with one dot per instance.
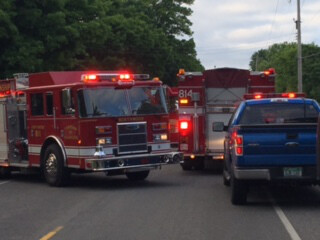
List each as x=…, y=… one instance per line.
x=285, y=144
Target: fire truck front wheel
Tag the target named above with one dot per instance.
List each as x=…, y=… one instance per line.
x=53, y=167
x=137, y=176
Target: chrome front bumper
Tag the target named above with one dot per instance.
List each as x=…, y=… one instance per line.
x=133, y=162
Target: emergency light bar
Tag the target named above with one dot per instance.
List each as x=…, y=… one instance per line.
x=271, y=72
x=248, y=96
x=113, y=77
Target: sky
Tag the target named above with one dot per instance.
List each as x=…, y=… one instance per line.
x=228, y=32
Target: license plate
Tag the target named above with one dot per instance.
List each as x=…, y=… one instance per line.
x=292, y=172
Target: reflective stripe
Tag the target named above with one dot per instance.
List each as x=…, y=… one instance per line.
x=34, y=150
x=191, y=110
x=160, y=146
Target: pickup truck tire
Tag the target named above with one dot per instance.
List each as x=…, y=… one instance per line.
x=54, y=171
x=226, y=176
x=137, y=176
x=239, y=190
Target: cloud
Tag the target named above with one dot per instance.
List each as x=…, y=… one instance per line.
x=228, y=32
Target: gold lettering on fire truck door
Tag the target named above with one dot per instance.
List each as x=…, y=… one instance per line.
x=37, y=130
x=131, y=119
x=70, y=132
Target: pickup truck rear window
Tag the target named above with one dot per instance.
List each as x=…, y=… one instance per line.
x=278, y=113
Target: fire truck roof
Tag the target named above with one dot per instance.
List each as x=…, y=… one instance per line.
x=58, y=78
x=226, y=77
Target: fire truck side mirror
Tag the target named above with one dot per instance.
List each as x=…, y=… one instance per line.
x=67, y=101
x=218, y=127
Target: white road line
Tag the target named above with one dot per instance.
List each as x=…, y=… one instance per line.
x=4, y=182
x=285, y=221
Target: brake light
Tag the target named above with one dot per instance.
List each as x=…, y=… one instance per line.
x=238, y=143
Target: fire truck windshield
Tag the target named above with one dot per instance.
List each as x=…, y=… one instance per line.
x=101, y=102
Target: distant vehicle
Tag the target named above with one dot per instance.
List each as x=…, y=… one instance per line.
x=63, y=122
x=270, y=140
x=207, y=98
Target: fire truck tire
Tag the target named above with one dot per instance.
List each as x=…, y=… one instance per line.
x=239, y=191
x=199, y=164
x=53, y=168
x=137, y=176
x=5, y=172
x=186, y=166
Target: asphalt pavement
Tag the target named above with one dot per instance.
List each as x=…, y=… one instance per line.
x=170, y=204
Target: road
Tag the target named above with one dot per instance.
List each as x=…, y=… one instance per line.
x=170, y=204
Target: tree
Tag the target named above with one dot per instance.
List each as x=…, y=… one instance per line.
x=283, y=57
x=151, y=36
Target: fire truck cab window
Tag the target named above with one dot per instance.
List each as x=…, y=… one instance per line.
x=147, y=100
x=49, y=103
x=101, y=102
x=67, y=103
x=36, y=104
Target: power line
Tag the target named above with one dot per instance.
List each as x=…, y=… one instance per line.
x=274, y=17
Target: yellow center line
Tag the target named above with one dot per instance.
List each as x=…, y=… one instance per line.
x=51, y=234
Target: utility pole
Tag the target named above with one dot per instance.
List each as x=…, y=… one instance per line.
x=298, y=26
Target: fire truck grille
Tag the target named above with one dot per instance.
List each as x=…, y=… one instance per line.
x=132, y=137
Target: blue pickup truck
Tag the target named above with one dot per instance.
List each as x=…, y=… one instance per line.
x=270, y=140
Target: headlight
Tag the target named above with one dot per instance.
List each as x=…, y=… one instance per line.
x=104, y=141
x=160, y=137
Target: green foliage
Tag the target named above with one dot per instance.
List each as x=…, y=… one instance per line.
x=283, y=57
x=151, y=36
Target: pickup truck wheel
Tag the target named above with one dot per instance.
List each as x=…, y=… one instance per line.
x=5, y=172
x=239, y=190
x=226, y=175
x=53, y=168
x=137, y=176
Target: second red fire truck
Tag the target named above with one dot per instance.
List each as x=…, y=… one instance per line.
x=64, y=122
x=207, y=99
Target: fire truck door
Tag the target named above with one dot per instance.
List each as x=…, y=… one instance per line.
x=16, y=131
x=215, y=139
x=3, y=133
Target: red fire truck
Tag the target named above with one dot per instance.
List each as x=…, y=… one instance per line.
x=64, y=122
x=206, y=99
x=172, y=100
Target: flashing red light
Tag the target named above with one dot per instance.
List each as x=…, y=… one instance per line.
x=270, y=71
x=257, y=96
x=184, y=125
x=291, y=95
x=89, y=78
x=125, y=76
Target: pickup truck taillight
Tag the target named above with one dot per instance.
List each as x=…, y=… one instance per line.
x=238, y=143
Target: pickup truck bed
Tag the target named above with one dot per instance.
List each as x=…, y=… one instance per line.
x=272, y=140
